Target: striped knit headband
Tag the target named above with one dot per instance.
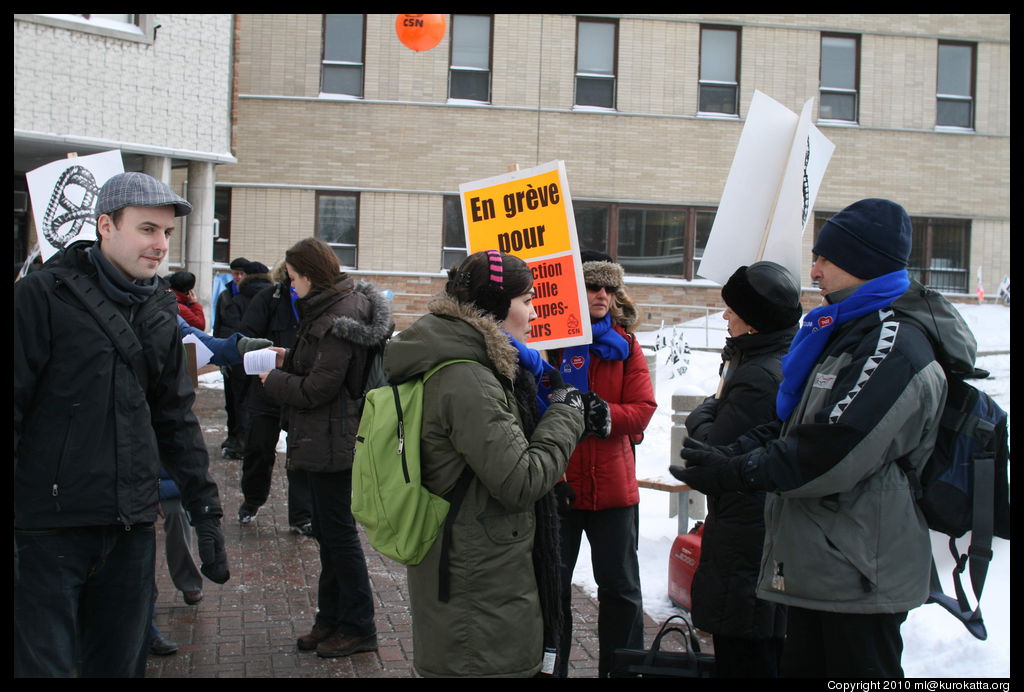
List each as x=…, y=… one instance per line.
x=496, y=275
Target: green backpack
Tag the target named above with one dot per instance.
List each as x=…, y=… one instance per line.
x=401, y=517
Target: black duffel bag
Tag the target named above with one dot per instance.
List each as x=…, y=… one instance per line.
x=655, y=663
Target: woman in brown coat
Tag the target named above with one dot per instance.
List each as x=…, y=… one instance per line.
x=318, y=383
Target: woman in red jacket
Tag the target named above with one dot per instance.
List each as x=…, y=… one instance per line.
x=612, y=373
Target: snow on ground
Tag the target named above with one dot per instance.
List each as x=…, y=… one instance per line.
x=935, y=644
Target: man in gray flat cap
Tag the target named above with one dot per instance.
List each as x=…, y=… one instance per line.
x=102, y=397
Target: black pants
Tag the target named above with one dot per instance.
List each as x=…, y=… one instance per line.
x=613, y=536
x=344, y=597
x=83, y=600
x=236, y=388
x=258, y=463
x=842, y=645
x=746, y=657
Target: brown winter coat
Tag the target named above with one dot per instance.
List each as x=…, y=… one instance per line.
x=321, y=380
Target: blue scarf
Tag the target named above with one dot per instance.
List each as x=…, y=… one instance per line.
x=293, y=296
x=818, y=326
x=608, y=344
x=534, y=363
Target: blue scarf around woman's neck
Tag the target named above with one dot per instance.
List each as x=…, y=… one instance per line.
x=531, y=361
x=608, y=344
x=818, y=326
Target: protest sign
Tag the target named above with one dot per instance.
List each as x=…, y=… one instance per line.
x=64, y=195
x=529, y=214
x=769, y=195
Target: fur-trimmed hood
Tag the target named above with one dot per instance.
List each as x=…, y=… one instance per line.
x=379, y=327
x=451, y=330
x=251, y=284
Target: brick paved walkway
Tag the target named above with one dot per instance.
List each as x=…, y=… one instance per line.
x=248, y=626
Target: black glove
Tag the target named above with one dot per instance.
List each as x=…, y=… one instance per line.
x=562, y=393
x=596, y=415
x=211, y=550
x=704, y=413
x=708, y=470
x=564, y=496
x=249, y=343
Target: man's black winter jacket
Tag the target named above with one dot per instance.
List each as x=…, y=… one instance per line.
x=88, y=441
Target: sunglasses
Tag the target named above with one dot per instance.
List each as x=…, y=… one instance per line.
x=597, y=287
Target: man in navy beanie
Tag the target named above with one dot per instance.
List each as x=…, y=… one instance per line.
x=846, y=548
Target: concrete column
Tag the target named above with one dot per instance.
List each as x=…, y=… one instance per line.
x=160, y=168
x=694, y=503
x=199, y=231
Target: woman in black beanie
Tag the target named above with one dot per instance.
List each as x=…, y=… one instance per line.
x=763, y=310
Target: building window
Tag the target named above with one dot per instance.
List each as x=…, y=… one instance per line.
x=939, y=254
x=955, y=88
x=342, y=68
x=658, y=239
x=703, y=220
x=596, y=43
x=138, y=28
x=221, y=225
x=453, y=241
x=840, y=57
x=114, y=20
x=592, y=226
x=337, y=224
x=470, y=74
x=719, y=70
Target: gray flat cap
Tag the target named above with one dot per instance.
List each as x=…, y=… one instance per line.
x=138, y=190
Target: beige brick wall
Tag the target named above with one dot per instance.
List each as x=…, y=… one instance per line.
x=402, y=146
x=171, y=93
x=267, y=221
x=400, y=230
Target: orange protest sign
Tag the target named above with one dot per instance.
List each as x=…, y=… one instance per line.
x=528, y=213
x=556, y=301
x=525, y=217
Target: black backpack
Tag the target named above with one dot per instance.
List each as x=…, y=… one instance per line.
x=964, y=484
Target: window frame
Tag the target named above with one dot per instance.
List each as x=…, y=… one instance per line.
x=613, y=78
x=970, y=99
x=141, y=30
x=325, y=63
x=613, y=209
x=701, y=82
x=453, y=68
x=923, y=273
x=926, y=274
x=855, y=92
x=320, y=194
x=449, y=201
x=222, y=197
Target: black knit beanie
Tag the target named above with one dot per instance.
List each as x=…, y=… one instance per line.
x=869, y=238
x=765, y=296
x=183, y=282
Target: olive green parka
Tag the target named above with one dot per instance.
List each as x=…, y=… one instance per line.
x=491, y=626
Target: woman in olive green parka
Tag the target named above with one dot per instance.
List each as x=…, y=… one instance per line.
x=491, y=625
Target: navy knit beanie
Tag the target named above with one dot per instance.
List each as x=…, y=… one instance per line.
x=867, y=239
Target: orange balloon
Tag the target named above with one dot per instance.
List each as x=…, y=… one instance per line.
x=420, y=31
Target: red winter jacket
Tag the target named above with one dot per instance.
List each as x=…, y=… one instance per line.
x=190, y=312
x=602, y=473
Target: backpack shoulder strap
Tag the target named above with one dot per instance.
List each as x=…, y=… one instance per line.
x=110, y=319
x=455, y=498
